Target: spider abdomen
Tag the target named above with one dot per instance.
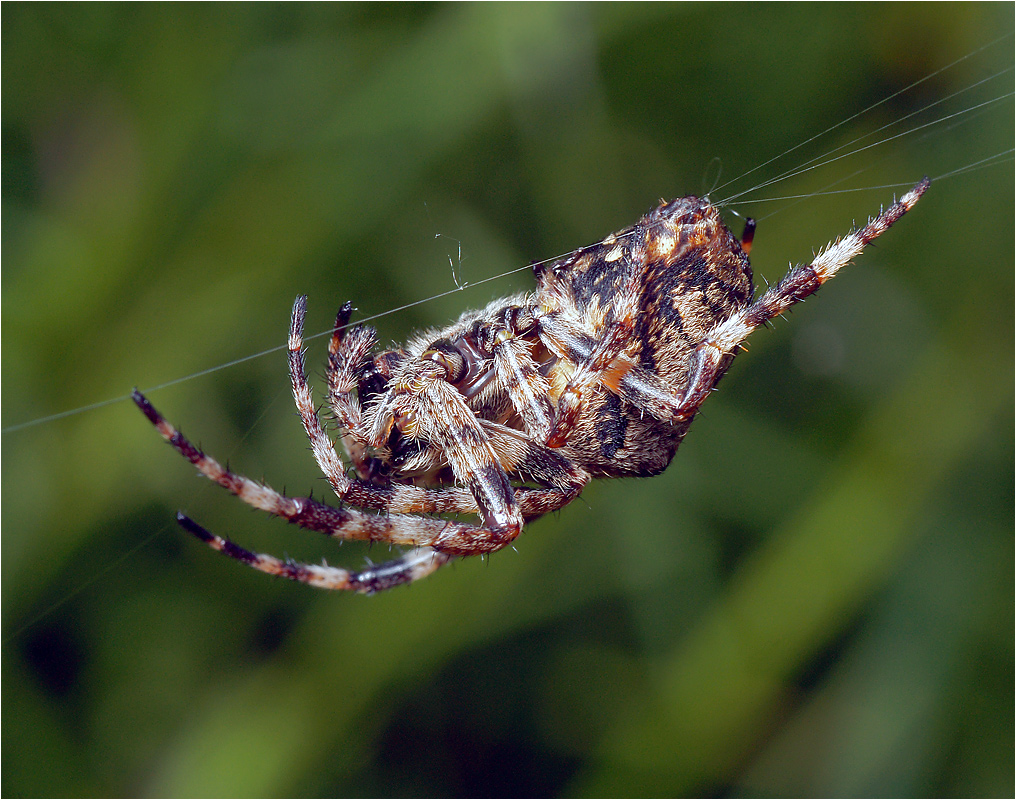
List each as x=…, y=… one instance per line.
x=659, y=287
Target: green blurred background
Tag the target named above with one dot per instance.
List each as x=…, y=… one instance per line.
x=815, y=599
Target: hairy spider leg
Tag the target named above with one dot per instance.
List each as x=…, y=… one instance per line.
x=798, y=283
x=349, y=356
x=603, y=364
x=398, y=498
x=462, y=439
x=321, y=445
x=451, y=537
x=527, y=387
x=341, y=523
x=645, y=390
x=567, y=479
x=521, y=457
x=411, y=567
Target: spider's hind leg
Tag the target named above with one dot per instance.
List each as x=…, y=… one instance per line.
x=416, y=564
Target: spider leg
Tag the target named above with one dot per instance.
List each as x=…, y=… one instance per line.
x=360, y=493
x=343, y=523
x=527, y=387
x=349, y=356
x=644, y=389
x=396, y=499
x=324, y=452
x=521, y=456
x=450, y=537
x=604, y=363
x=453, y=426
x=407, y=498
x=708, y=360
x=416, y=564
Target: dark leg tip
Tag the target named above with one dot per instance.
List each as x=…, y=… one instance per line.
x=191, y=526
x=342, y=318
x=748, y=236
x=146, y=408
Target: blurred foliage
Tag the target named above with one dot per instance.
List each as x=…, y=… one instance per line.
x=815, y=599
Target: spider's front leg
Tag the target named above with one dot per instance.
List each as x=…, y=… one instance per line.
x=358, y=492
x=425, y=406
x=349, y=356
x=321, y=445
x=351, y=369
x=512, y=364
x=724, y=339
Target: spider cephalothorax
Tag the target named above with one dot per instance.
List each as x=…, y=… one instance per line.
x=506, y=414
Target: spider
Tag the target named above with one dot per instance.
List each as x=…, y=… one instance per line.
x=508, y=413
